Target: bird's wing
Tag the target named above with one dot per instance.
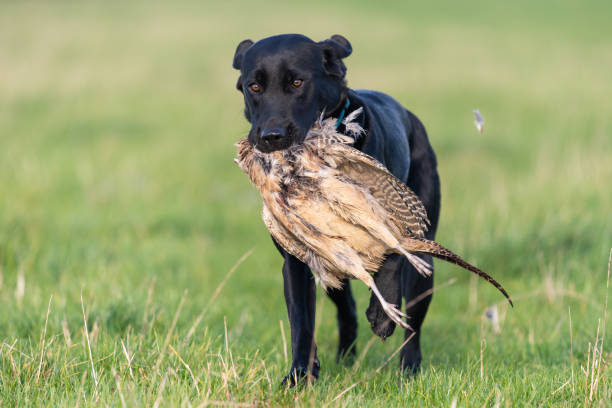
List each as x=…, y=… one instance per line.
x=395, y=197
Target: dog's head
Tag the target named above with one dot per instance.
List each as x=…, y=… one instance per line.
x=288, y=81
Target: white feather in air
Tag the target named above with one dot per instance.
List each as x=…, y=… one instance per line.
x=479, y=121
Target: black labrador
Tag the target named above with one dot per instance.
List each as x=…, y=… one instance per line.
x=288, y=81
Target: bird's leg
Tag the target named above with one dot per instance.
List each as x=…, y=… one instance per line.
x=391, y=310
x=420, y=265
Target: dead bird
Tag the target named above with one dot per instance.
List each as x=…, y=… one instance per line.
x=340, y=211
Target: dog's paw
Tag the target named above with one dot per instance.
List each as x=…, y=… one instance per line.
x=300, y=375
x=346, y=353
x=380, y=323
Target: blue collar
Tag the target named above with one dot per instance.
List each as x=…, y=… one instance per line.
x=342, y=113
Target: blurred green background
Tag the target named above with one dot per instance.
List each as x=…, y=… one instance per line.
x=117, y=124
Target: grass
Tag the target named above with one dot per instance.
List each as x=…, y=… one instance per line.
x=122, y=214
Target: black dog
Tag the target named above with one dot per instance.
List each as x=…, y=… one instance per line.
x=288, y=81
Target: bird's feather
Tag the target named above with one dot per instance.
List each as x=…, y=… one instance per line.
x=400, y=202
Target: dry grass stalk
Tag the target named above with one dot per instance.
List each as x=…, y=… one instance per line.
x=378, y=370
x=586, y=374
x=598, y=364
x=607, y=292
x=251, y=370
x=12, y=347
x=95, y=331
x=562, y=386
x=119, y=388
x=263, y=363
x=228, y=352
x=428, y=292
x=93, y=369
x=158, y=400
x=169, y=334
x=195, y=382
x=226, y=337
x=571, y=347
x=606, y=361
x=605, y=319
x=66, y=332
x=234, y=371
x=497, y=398
x=42, y=340
x=397, y=350
x=225, y=377
x=489, y=395
x=350, y=387
x=363, y=353
x=216, y=293
x=81, y=391
x=595, y=362
x=127, y=356
x=12, y=360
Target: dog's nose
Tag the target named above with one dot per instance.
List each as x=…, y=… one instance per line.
x=273, y=136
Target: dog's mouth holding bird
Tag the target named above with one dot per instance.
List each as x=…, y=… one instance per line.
x=258, y=162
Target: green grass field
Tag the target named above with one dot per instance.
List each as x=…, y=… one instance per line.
x=117, y=187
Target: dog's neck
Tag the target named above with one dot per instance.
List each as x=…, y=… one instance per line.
x=335, y=112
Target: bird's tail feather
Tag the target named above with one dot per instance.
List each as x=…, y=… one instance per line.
x=434, y=249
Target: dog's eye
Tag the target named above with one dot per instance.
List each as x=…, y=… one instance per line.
x=255, y=88
x=297, y=83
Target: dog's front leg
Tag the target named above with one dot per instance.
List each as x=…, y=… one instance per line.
x=300, y=297
x=347, y=320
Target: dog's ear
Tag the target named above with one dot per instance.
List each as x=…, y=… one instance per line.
x=239, y=84
x=334, y=49
x=240, y=50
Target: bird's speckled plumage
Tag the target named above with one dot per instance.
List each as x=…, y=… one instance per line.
x=340, y=211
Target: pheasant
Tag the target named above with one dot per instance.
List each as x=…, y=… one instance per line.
x=340, y=211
